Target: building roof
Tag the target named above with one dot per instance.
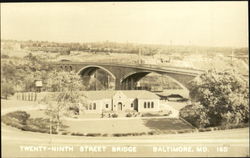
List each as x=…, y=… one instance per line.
x=108, y=94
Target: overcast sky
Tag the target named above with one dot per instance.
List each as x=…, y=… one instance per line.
x=183, y=23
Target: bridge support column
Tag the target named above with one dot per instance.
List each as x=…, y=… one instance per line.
x=127, y=84
x=132, y=84
x=118, y=85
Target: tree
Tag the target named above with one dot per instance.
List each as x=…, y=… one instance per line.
x=7, y=89
x=224, y=95
x=196, y=114
x=67, y=85
x=61, y=81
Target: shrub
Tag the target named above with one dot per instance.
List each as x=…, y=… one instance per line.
x=114, y=115
x=168, y=132
x=21, y=120
x=34, y=129
x=168, y=113
x=11, y=122
x=74, y=109
x=181, y=131
x=77, y=134
x=128, y=134
x=128, y=115
x=117, y=134
x=151, y=133
x=195, y=114
x=7, y=89
x=65, y=133
x=21, y=116
x=205, y=129
x=224, y=96
x=93, y=134
x=143, y=133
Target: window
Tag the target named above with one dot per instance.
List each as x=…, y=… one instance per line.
x=132, y=105
x=107, y=105
x=90, y=107
x=148, y=104
x=145, y=105
x=87, y=107
x=94, y=106
x=152, y=104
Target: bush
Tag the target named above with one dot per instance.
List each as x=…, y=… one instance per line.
x=205, y=129
x=169, y=132
x=114, y=115
x=77, y=134
x=94, y=134
x=21, y=120
x=128, y=134
x=195, y=114
x=21, y=116
x=65, y=133
x=34, y=129
x=16, y=119
x=129, y=115
x=151, y=133
x=143, y=133
x=74, y=109
x=7, y=89
x=224, y=96
x=11, y=122
x=4, y=56
x=117, y=134
x=181, y=131
x=168, y=113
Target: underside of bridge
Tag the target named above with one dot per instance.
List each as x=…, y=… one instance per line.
x=101, y=77
x=130, y=82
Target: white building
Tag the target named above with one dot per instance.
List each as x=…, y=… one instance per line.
x=138, y=100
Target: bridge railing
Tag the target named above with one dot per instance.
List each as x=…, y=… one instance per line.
x=119, y=63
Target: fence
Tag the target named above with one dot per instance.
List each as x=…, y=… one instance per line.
x=30, y=96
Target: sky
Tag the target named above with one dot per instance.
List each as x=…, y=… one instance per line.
x=176, y=23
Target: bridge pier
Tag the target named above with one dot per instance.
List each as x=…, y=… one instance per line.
x=118, y=85
x=132, y=84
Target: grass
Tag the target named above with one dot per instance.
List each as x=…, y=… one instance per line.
x=166, y=124
x=106, y=126
x=162, y=125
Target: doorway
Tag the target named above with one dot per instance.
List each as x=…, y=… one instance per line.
x=119, y=108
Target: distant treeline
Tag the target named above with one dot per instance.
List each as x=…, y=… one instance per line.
x=130, y=48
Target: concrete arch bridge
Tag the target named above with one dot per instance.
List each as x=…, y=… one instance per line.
x=126, y=76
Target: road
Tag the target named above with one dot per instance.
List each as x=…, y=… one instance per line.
x=16, y=143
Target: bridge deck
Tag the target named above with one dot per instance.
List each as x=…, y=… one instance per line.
x=140, y=66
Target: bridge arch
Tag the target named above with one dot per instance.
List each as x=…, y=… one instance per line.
x=141, y=74
x=88, y=70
